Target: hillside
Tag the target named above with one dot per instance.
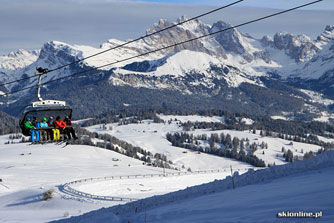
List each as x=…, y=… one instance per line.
x=259, y=196
x=29, y=171
x=198, y=141
x=117, y=163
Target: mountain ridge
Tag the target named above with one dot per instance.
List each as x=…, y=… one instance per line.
x=210, y=66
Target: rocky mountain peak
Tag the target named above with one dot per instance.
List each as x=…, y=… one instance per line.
x=232, y=40
x=329, y=28
x=229, y=39
x=56, y=46
x=300, y=48
x=327, y=35
x=284, y=40
x=163, y=23
x=21, y=52
x=267, y=41
x=186, y=31
x=195, y=26
x=184, y=18
x=55, y=52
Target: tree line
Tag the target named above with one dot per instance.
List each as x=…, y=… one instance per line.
x=124, y=117
x=228, y=147
x=231, y=121
x=290, y=157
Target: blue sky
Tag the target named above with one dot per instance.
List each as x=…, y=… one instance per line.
x=29, y=24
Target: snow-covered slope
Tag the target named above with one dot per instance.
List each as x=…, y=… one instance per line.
x=28, y=171
x=11, y=64
x=259, y=197
x=152, y=137
x=19, y=59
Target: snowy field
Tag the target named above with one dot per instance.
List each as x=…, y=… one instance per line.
x=152, y=137
x=27, y=171
x=138, y=188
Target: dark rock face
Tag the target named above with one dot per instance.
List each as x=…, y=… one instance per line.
x=231, y=40
x=327, y=35
x=299, y=47
x=178, y=35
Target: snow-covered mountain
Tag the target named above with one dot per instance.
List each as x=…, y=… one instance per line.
x=15, y=61
x=211, y=66
x=19, y=59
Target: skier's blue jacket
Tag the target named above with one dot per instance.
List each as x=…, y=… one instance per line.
x=43, y=124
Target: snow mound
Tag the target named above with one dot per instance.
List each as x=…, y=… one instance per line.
x=324, y=160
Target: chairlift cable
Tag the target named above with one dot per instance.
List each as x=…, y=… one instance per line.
x=127, y=43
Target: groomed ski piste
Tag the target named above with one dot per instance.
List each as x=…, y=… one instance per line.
x=85, y=178
x=303, y=188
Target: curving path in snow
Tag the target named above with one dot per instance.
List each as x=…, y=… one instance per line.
x=127, y=188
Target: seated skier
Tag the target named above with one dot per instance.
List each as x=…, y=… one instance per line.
x=55, y=134
x=69, y=130
x=34, y=134
x=44, y=132
x=61, y=125
x=37, y=124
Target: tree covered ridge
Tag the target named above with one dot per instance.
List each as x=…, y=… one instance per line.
x=8, y=124
x=232, y=120
x=85, y=95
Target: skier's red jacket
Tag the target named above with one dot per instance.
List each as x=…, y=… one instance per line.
x=60, y=124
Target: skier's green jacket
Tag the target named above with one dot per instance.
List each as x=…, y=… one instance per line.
x=28, y=125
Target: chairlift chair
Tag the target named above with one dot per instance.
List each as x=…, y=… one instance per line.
x=43, y=108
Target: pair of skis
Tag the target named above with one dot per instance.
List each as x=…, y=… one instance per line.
x=61, y=142
x=66, y=142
